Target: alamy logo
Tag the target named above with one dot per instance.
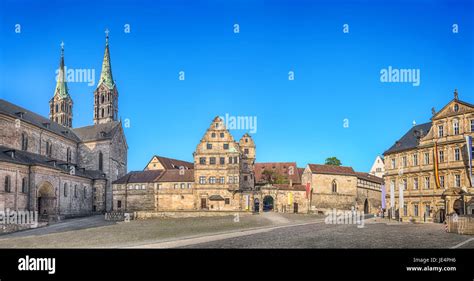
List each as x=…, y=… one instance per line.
x=77, y=75
x=345, y=217
x=395, y=75
x=248, y=123
x=19, y=217
x=37, y=264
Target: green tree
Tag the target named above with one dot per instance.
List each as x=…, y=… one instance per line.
x=333, y=161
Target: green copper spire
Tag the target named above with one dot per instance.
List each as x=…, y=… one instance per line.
x=61, y=85
x=106, y=73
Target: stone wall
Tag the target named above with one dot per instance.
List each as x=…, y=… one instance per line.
x=10, y=136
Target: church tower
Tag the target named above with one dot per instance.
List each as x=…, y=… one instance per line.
x=61, y=104
x=106, y=95
x=247, y=162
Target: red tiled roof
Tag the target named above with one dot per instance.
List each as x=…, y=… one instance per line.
x=280, y=168
x=331, y=169
x=170, y=163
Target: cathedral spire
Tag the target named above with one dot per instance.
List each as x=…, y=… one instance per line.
x=106, y=73
x=61, y=83
x=106, y=94
x=60, y=106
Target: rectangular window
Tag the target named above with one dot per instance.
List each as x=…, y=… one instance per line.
x=404, y=161
x=189, y=185
x=182, y=186
x=427, y=158
x=405, y=210
x=415, y=159
x=245, y=178
x=209, y=146
x=246, y=151
x=457, y=154
x=202, y=180
x=441, y=181
x=472, y=125
x=227, y=201
x=440, y=131
x=427, y=182
x=175, y=186
x=202, y=160
x=230, y=160
x=231, y=179
x=405, y=184
x=236, y=160
x=222, y=180
x=119, y=204
x=212, y=160
x=427, y=210
x=457, y=180
x=222, y=160
x=212, y=180
x=236, y=179
x=456, y=128
x=415, y=183
x=393, y=163
x=226, y=146
x=441, y=156
x=415, y=210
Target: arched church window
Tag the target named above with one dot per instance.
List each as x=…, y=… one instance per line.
x=24, y=141
x=7, y=184
x=103, y=98
x=334, y=186
x=101, y=161
x=24, y=185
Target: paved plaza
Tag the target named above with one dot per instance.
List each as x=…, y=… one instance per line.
x=268, y=230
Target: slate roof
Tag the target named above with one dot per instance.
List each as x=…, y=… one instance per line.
x=96, y=132
x=170, y=163
x=410, y=139
x=176, y=176
x=369, y=177
x=30, y=117
x=32, y=159
x=139, y=177
x=331, y=170
x=280, y=168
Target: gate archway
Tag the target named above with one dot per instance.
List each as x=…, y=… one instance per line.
x=268, y=203
x=46, y=199
x=366, y=206
x=458, y=207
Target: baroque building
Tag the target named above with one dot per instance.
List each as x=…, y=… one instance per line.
x=50, y=167
x=427, y=170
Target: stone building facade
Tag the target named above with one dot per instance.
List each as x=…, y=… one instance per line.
x=339, y=187
x=429, y=167
x=50, y=167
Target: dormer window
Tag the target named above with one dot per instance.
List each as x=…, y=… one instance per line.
x=440, y=131
x=20, y=114
x=213, y=135
x=102, y=134
x=46, y=125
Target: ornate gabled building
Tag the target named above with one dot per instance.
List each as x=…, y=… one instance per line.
x=427, y=170
x=50, y=167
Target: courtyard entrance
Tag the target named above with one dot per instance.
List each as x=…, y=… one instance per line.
x=267, y=203
x=46, y=201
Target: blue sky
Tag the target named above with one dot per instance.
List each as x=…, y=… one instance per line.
x=337, y=75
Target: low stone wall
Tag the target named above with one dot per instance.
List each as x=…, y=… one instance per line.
x=187, y=214
x=460, y=225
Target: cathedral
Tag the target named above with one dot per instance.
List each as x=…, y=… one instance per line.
x=48, y=166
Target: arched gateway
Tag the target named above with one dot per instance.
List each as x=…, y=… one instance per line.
x=46, y=200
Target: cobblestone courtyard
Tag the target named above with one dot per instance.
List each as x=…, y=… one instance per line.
x=269, y=230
